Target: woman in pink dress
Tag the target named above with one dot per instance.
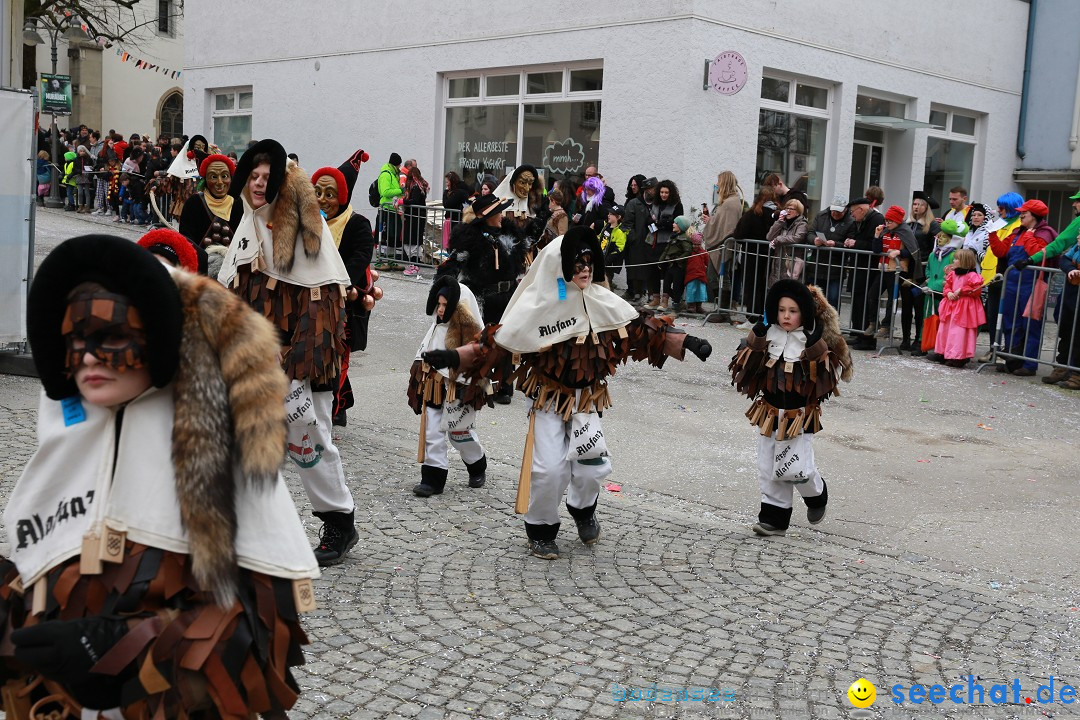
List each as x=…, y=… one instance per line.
x=961, y=311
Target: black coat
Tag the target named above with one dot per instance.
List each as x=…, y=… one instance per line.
x=196, y=218
x=473, y=249
x=356, y=250
x=637, y=220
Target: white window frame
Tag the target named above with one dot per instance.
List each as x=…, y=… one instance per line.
x=975, y=139
x=235, y=111
x=535, y=104
x=826, y=113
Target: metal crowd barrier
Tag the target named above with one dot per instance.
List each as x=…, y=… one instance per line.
x=414, y=234
x=1036, y=325
x=853, y=281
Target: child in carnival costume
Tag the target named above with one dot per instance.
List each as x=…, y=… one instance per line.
x=157, y=560
x=788, y=369
x=569, y=335
x=446, y=401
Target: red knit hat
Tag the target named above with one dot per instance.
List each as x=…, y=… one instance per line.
x=895, y=214
x=339, y=178
x=172, y=246
x=1035, y=207
x=217, y=158
x=120, y=148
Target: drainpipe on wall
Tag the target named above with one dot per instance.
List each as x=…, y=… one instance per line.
x=1020, y=149
x=1074, y=139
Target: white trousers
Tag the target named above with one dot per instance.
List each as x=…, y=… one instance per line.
x=435, y=449
x=553, y=475
x=312, y=448
x=780, y=492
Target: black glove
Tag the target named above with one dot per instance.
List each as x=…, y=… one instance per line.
x=760, y=329
x=1022, y=263
x=65, y=650
x=440, y=359
x=698, y=346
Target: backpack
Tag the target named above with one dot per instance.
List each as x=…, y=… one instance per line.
x=374, y=198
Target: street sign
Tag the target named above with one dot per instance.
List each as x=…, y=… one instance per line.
x=56, y=94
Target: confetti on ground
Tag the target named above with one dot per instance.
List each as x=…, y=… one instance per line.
x=985, y=427
x=926, y=461
x=613, y=487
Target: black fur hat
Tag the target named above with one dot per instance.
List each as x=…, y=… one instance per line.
x=278, y=158
x=122, y=267
x=444, y=285
x=796, y=291
x=576, y=241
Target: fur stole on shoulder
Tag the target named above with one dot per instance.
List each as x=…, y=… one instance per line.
x=229, y=409
x=296, y=213
x=462, y=328
x=830, y=332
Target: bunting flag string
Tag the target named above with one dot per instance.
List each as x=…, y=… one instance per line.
x=146, y=64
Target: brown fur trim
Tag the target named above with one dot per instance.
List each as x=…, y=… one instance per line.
x=296, y=212
x=228, y=396
x=462, y=328
x=830, y=320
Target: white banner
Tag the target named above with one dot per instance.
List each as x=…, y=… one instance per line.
x=16, y=204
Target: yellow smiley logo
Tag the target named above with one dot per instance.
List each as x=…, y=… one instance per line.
x=862, y=693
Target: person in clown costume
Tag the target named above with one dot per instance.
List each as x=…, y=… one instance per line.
x=570, y=334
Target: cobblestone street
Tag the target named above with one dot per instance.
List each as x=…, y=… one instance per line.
x=949, y=549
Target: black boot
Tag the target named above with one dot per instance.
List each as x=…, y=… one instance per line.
x=587, y=526
x=906, y=344
x=432, y=481
x=504, y=393
x=337, y=536
x=815, y=506
x=542, y=540
x=772, y=520
x=477, y=472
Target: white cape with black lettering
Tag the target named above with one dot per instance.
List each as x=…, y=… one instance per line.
x=84, y=475
x=537, y=317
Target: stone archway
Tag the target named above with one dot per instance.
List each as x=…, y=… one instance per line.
x=170, y=114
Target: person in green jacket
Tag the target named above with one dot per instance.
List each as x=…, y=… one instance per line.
x=390, y=197
x=69, y=180
x=1065, y=240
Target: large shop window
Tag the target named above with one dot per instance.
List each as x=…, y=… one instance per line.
x=792, y=124
x=950, y=151
x=230, y=113
x=545, y=116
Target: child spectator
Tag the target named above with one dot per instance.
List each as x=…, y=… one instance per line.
x=613, y=243
x=131, y=199
x=697, y=268
x=44, y=176
x=960, y=311
x=788, y=369
x=68, y=183
x=949, y=239
x=446, y=402
x=678, y=248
